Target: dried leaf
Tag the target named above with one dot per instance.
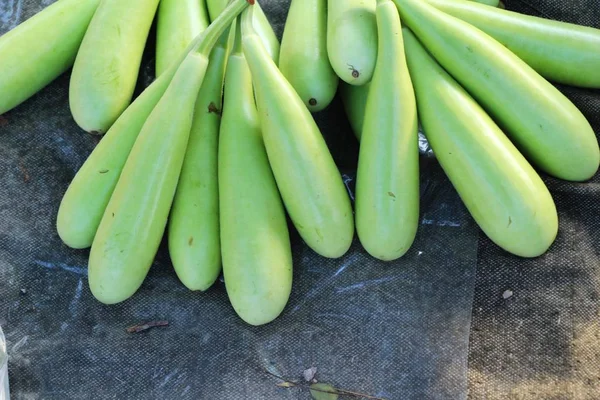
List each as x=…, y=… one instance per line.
x=309, y=374
x=323, y=391
x=286, y=385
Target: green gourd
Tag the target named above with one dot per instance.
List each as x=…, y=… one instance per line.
x=387, y=182
x=40, y=49
x=352, y=39
x=310, y=183
x=106, y=69
x=559, y=51
x=257, y=255
x=501, y=190
x=194, y=223
x=303, y=59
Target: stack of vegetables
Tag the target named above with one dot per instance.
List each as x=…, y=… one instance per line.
x=222, y=144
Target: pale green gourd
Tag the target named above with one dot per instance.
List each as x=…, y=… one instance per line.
x=106, y=69
x=559, y=51
x=40, y=49
x=257, y=255
x=352, y=39
x=501, y=190
x=303, y=59
x=387, y=182
x=194, y=222
x=310, y=183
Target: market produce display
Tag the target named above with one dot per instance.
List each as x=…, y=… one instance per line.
x=222, y=145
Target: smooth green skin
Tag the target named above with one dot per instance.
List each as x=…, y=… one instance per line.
x=136, y=216
x=85, y=201
x=387, y=182
x=40, y=49
x=308, y=179
x=559, y=51
x=551, y=132
x=352, y=39
x=178, y=23
x=303, y=59
x=194, y=223
x=261, y=25
x=354, y=99
x=501, y=190
x=257, y=255
x=106, y=68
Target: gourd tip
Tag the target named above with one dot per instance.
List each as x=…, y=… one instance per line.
x=251, y=2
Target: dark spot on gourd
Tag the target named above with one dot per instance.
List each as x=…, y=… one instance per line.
x=312, y=102
x=191, y=241
x=113, y=215
x=391, y=195
x=469, y=49
x=509, y=221
x=213, y=109
x=355, y=73
x=104, y=171
x=96, y=133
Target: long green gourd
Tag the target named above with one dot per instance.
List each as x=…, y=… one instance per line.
x=303, y=59
x=257, y=255
x=261, y=25
x=387, y=182
x=133, y=224
x=562, y=52
x=352, y=39
x=136, y=216
x=310, y=183
x=40, y=49
x=107, y=65
x=178, y=23
x=501, y=190
x=547, y=127
x=194, y=223
x=85, y=201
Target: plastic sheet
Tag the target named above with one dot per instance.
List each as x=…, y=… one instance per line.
x=4, y=389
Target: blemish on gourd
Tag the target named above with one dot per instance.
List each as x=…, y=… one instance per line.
x=391, y=194
x=509, y=221
x=313, y=102
x=355, y=73
x=191, y=241
x=104, y=171
x=213, y=109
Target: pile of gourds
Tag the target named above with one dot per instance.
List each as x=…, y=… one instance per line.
x=223, y=143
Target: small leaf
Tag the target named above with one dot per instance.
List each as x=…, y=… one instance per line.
x=286, y=385
x=321, y=392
